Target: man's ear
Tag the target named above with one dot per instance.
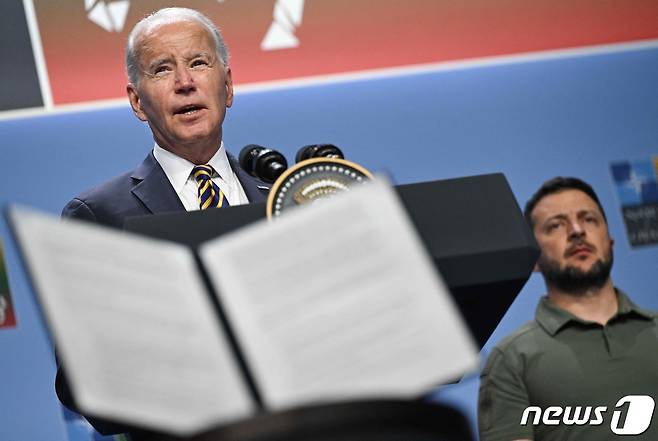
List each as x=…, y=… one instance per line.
x=229, y=87
x=135, y=102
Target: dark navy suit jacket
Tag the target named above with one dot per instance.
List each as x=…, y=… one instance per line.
x=145, y=190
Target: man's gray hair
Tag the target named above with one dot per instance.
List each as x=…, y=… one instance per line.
x=166, y=16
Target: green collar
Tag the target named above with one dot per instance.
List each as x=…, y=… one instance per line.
x=553, y=318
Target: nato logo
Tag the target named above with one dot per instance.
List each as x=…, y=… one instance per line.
x=637, y=181
x=637, y=189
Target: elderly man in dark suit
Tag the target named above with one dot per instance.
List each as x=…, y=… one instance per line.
x=180, y=84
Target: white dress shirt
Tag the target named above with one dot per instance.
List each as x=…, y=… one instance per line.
x=179, y=173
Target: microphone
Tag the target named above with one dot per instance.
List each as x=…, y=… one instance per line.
x=262, y=163
x=318, y=151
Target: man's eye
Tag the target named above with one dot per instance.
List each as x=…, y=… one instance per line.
x=552, y=227
x=199, y=63
x=161, y=70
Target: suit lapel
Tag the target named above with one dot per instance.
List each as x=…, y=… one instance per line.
x=154, y=189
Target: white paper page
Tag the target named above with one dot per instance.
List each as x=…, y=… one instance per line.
x=133, y=325
x=343, y=303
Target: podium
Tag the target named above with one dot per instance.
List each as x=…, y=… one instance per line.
x=471, y=227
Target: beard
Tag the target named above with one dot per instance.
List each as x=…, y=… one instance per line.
x=575, y=281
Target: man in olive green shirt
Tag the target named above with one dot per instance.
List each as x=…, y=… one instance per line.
x=587, y=367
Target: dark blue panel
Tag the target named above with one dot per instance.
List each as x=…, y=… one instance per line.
x=19, y=87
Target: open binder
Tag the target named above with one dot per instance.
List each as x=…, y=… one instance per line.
x=332, y=302
x=471, y=227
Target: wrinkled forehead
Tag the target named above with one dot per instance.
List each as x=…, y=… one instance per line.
x=150, y=33
x=568, y=202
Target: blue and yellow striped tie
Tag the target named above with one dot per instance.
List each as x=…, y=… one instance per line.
x=209, y=193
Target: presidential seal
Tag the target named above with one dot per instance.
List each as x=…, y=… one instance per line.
x=312, y=180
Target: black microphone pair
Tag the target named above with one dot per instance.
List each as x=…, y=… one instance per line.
x=268, y=164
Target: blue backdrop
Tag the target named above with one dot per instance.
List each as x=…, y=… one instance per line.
x=529, y=120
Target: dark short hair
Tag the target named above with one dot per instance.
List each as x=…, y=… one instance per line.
x=557, y=185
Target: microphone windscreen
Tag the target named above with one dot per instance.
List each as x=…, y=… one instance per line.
x=247, y=155
x=318, y=151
